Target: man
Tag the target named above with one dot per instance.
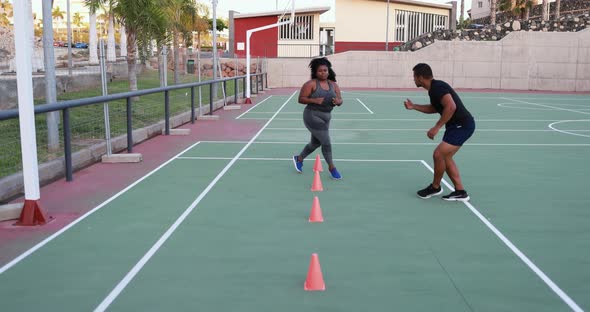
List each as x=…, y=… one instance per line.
x=459, y=124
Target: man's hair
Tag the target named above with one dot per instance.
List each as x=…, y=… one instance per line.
x=422, y=70
x=316, y=63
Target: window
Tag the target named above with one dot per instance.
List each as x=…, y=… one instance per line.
x=409, y=24
x=480, y=4
x=302, y=28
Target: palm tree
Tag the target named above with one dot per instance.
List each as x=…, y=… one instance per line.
x=200, y=21
x=493, y=12
x=107, y=6
x=57, y=14
x=462, y=12
x=5, y=12
x=92, y=40
x=545, y=10
x=180, y=16
x=77, y=21
x=143, y=21
x=123, y=40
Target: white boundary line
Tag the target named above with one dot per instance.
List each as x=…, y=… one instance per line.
x=512, y=105
x=370, y=111
x=301, y=113
x=67, y=227
x=251, y=108
x=429, y=120
x=290, y=159
x=572, y=132
x=404, y=129
x=139, y=265
x=464, y=96
x=404, y=143
x=516, y=251
x=549, y=106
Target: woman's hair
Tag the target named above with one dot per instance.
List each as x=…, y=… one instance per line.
x=316, y=63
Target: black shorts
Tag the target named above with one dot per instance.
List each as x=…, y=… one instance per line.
x=459, y=133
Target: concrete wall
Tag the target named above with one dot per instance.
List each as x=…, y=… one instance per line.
x=520, y=61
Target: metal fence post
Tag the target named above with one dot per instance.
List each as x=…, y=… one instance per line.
x=129, y=126
x=67, y=144
x=167, y=112
x=236, y=91
x=211, y=99
x=193, y=105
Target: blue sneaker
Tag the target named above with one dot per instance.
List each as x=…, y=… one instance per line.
x=298, y=164
x=335, y=174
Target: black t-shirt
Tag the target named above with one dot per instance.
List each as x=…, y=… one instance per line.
x=438, y=89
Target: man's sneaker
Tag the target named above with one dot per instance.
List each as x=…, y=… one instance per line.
x=335, y=174
x=429, y=191
x=298, y=164
x=457, y=195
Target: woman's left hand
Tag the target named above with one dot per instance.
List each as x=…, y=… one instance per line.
x=337, y=101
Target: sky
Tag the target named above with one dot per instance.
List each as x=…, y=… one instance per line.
x=242, y=6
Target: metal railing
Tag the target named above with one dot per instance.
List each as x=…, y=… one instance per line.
x=261, y=80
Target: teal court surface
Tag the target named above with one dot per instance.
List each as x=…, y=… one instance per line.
x=223, y=226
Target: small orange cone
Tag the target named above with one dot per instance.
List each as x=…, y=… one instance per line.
x=316, y=186
x=316, y=211
x=317, y=166
x=315, y=279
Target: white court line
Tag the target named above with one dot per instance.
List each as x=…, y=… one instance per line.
x=549, y=106
x=251, y=108
x=370, y=111
x=516, y=251
x=84, y=216
x=301, y=113
x=129, y=276
x=427, y=143
x=290, y=159
x=404, y=129
x=463, y=96
x=403, y=143
x=572, y=132
x=417, y=119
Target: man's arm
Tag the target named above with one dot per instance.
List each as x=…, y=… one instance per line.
x=449, y=108
x=305, y=93
x=426, y=109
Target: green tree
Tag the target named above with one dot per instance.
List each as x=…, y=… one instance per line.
x=5, y=12
x=179, y=14
x=221, y=24
x=77, y=21
x=144, y=20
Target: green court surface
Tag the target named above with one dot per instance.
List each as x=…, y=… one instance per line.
x=223, y=225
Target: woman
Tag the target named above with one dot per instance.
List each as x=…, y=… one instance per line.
x=320, y=95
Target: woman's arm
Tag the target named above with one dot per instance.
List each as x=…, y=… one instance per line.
x=338, y=99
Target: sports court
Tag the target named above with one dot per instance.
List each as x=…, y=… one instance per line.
x=223, y=225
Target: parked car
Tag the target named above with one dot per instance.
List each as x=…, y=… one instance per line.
x=81, y=45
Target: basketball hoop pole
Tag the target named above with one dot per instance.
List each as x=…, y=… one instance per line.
x=249, y=33
x=32, y=213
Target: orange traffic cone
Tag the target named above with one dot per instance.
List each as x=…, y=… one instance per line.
x=315, y=280
x=316, y=211
x=317, y=166
x=316, y=186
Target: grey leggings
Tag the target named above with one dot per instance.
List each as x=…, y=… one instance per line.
x=318, y=123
